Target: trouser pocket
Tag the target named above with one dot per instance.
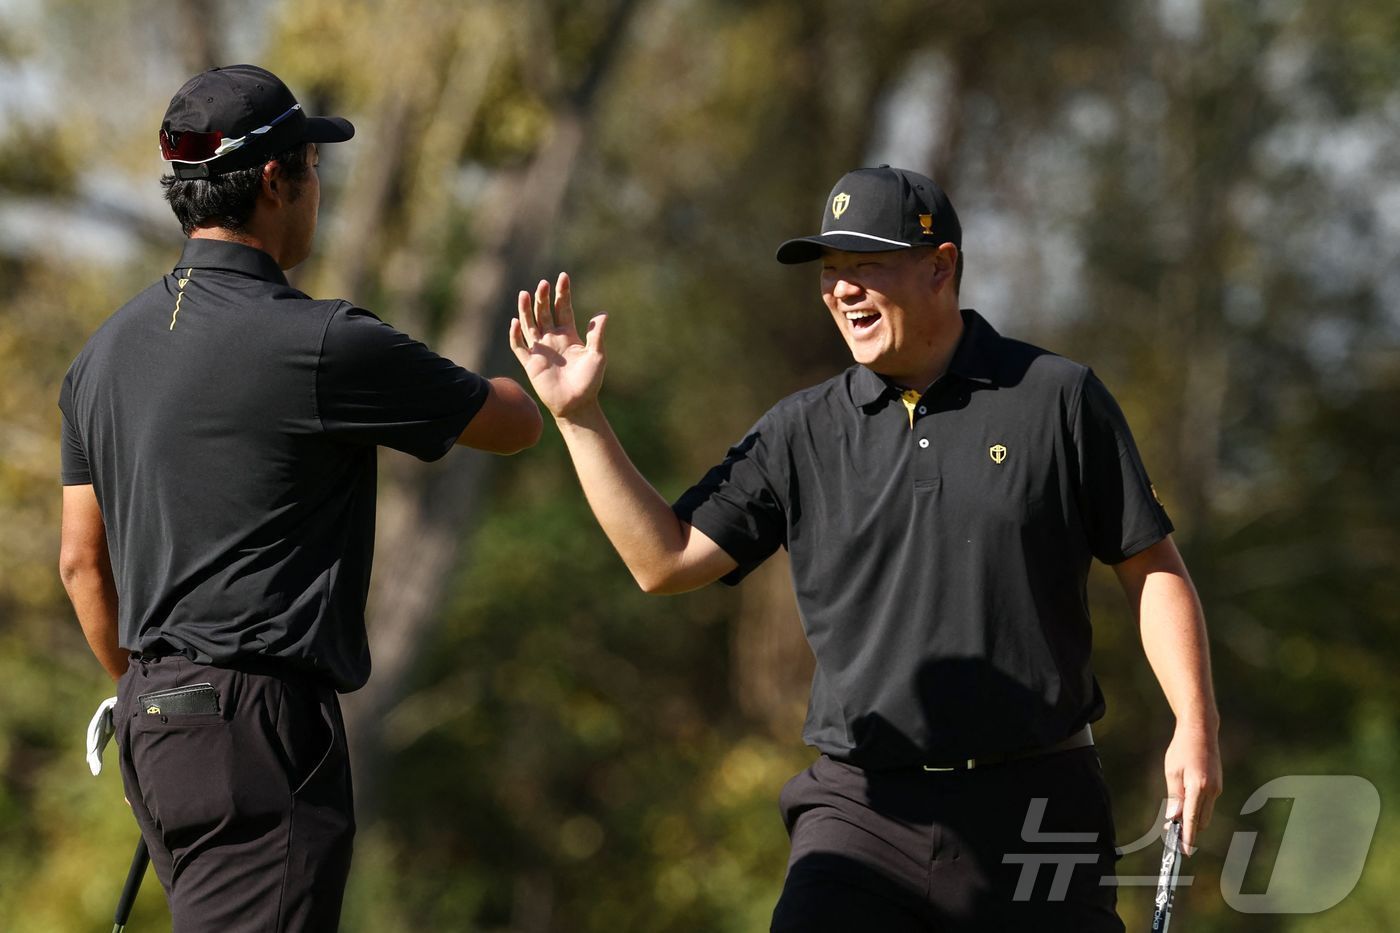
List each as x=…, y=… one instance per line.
x=203, y=773
x=312, y=737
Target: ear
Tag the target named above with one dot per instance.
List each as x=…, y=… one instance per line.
x=943, y=264
x=274, y=183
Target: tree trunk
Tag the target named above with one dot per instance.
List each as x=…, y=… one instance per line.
x=427, y=511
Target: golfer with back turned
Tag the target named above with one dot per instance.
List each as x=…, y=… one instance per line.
x=941, y=501
x=219, y=451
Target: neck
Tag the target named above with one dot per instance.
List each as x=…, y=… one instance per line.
x=231, y=236
x=258, y=236
x=937, y=354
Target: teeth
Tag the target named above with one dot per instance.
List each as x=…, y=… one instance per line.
x=861, y=315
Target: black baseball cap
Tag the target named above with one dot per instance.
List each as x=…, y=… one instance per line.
x=876, y=209
x=237, y=117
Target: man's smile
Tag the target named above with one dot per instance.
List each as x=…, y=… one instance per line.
x=862, y=320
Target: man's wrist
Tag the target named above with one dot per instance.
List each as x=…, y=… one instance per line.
x=1204, y=719
x=588, y=417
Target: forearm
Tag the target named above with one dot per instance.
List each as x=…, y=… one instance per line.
x=508, y=422
x=1173, y=631
x=1174, y=639
x=664, y=554
x=93, y=593
x=651, y=540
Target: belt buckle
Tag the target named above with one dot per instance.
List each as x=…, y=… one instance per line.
x=970, y=764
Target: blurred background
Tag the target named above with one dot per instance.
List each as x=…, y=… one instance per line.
x=1200, y=198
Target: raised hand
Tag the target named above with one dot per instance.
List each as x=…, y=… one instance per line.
x=566, y=371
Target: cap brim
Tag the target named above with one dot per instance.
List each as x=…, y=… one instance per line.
x=328, y=130
x=808, y=248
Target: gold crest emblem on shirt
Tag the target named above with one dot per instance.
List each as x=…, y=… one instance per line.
x=839, y=204
x=997, y=452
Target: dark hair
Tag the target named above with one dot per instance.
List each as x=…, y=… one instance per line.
x=957, y=273
x=228, y=200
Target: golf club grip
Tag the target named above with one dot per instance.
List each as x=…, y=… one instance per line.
x=139, y=860
x=1167, y=878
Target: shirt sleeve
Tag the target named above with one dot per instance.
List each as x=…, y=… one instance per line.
x=73, y=460
x=376, y=385
x=738, y=503
x=1123, y=515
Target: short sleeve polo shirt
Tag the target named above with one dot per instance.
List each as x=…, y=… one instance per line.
x=229, y=424
x=940, y=554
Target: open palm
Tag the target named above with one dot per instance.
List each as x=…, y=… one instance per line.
x=566, y=371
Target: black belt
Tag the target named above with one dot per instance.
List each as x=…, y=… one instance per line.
x=1081, y=739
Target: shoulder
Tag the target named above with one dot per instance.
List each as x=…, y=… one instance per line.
x=821, y=402
x=358, y=343
x=1042, y=377
x=348, y=330
x=111, y=333
x=354, y=322
x=1045, y=369
x=1011, y=362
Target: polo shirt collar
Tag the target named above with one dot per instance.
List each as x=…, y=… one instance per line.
x=230, y=257
x=974, y=359
x=868, y=387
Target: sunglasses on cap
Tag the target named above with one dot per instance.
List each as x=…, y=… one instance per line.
x=198, y=148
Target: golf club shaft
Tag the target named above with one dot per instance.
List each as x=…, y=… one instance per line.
x=139, y=860
x=1167, y=878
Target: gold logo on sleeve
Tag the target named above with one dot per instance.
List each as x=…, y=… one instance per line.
x=998, y=453
x=839, y=204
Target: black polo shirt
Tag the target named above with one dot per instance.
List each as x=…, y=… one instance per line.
x=941, y=569
x=228, y=424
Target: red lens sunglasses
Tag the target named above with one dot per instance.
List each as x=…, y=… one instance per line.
x=196, y=148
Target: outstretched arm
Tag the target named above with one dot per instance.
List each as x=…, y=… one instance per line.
x=507, y=423
x=664, y=554
x=1174, y=639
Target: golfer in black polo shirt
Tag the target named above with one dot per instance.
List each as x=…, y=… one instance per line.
x=941, y=501
x=219, y=451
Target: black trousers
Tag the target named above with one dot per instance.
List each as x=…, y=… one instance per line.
x=247, y=812
x=912, y=850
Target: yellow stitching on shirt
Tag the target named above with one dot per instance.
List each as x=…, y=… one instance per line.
x=180, y=297
x=910, y=398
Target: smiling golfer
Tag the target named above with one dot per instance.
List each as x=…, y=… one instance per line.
x=220, y=434
x=942, y=500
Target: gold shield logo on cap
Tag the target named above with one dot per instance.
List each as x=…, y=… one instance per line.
x=839, y=204
x=998, y=453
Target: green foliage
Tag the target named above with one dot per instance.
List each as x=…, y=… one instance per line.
x=31, y=164
x=570, y=754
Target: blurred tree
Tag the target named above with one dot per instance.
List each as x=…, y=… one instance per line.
x=1195, y=197
x=427, y=511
